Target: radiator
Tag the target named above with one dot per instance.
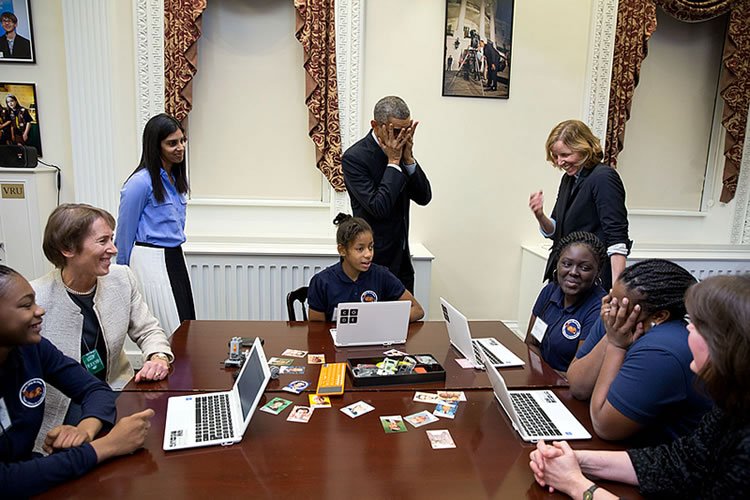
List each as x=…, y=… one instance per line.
x=249, y=287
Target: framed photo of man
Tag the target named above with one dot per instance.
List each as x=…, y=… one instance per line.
x=477, y=48
x=19, y=115
x=16, y=37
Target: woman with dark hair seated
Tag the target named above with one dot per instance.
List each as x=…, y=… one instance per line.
x=637, y=363
x=713, y=461
x=28, y=364
x=568, y=306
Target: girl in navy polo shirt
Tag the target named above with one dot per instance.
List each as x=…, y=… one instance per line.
x=355, y=278
x=568, y=306
x=28, y=364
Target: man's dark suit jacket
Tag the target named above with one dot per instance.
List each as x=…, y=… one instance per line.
x=596, y=204
x=381, y=195
x=21, y=48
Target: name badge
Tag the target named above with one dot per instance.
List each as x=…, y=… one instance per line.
x=4, y=416
x=92, y=362
x=539, y=329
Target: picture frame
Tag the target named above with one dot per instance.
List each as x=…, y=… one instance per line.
x=17, y=35
x=477, y=48
x=19, y=125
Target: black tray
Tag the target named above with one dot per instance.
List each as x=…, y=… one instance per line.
x=434, y=372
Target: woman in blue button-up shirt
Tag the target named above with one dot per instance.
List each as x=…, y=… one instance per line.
x=151, y=223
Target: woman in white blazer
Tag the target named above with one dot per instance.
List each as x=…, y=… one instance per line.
x=92, y=305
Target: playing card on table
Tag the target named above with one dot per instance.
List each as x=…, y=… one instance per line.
x=426, y=397
x=275, y=406
x=295, y=353
x=422, y=418
x=357, y=409
x=440, y=439
x=446, y=410
x=292, y=370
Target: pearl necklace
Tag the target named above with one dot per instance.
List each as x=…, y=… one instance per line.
x=76, y=292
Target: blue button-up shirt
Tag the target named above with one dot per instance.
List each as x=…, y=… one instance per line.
x=142, y=218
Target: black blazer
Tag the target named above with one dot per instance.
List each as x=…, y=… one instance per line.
x=596, y=203
x=381, y=195
x=21, y=48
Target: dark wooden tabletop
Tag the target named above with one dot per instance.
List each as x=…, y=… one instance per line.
x=334, y=456
x=200, y=348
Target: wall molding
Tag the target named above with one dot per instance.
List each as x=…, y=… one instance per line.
x=740, y=234
x=89, y=71
x=599, y=66
x=148, y=23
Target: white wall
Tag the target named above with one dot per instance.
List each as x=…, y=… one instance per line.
x=483, y=157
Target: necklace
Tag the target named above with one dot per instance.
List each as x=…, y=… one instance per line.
x=76, y=292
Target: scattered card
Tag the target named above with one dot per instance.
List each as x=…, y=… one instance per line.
x=280, y=361
x=319, y=401
x=275, y=406
x=426, y=360
x=394, y=352
x=357, y=409
x=392, y=424
x=316, y=359
x=300, y=414
x=294, y=353
x=446, y=410
x=440, y=440
x=421, y=418
x=292, y=370
x=464, y=363
x=296, y=386
x=426, y=397
x=451, y=396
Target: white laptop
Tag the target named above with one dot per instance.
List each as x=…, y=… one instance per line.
x=371, y=323
x=535, y=414
x=218, y=417
x=460, y=336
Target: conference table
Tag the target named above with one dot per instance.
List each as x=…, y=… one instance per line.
x=333, y=455
x=200, y=348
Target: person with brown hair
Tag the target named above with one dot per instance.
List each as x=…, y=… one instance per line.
x=713, y=461
x=591, y=197
x=92, y=306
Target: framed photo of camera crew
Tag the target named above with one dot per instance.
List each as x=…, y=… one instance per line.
x=19, y=115
x=477, y=50
x=16, y=37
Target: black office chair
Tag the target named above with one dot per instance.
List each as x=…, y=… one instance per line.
x=300, y=294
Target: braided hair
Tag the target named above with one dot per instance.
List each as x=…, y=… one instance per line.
x=349, y=228
x=6, y=273
x=662, y=283
x=589, y=240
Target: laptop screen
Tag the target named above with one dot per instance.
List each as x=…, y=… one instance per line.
x=250, y=382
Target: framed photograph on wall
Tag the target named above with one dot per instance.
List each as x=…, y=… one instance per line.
x=477, y=51
x=16, y=38
x=19, y=115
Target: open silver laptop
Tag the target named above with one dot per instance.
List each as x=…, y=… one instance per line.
x=218, y=417
x=535, y=414
x=460, y=337
x=371, y=323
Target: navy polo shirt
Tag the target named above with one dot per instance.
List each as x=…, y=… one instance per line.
x=566, y=326
x=332, y=286
x=23, y=387
x=655, y=386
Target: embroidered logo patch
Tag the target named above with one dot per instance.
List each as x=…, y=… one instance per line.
x=368, y=296
x=571, y=329
x=32, y=392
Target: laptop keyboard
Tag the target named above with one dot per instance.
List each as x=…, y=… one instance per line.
x=213, y=420
x=534, y=420
x=493, y=359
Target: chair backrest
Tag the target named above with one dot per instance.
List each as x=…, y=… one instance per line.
x=300, y=294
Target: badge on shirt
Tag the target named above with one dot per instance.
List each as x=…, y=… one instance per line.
x=4, y=416
x=368, y=296
x=571, y=329
x=92, y=362
x=539, y=329
x=32, y=393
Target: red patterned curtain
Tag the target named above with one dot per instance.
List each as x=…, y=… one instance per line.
x=636, y=21
x=182, y=29
x=316, y=31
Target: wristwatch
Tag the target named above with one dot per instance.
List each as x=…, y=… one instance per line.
x=589, y=493
x=159, y=355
